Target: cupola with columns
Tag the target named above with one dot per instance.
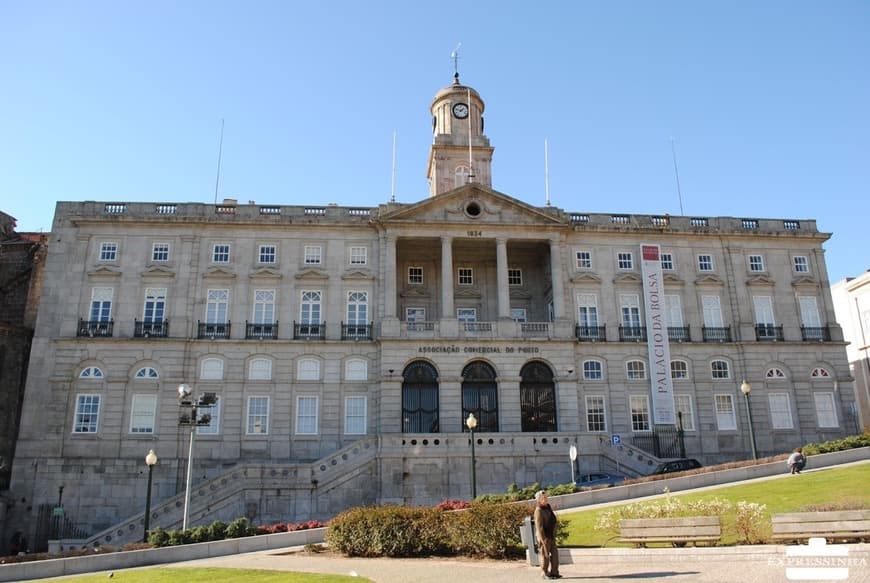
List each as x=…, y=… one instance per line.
x=457, y=125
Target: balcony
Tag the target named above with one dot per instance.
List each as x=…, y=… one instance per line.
x=812, y=334
x=212, y=331
x=95, y=328
x=768, y=333
x=356, y=331
x=679, y=334
x=476, y=329
x=150, y=329
x=632, y=333
x=590, y=333
x=715, y=334
x=535, y=329
x=309, y=331
x=261, y=331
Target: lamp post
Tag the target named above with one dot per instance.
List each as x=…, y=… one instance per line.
x=190, y=416
x=745, y=388
x=150, y=461
x=471, y=423
x=572, y=453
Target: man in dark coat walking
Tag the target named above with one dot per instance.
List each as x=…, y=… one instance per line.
x=545, y=528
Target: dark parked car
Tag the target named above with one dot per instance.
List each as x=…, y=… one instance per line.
x=680, y=465
x=599, y=479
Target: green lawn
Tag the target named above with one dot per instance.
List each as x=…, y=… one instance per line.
x=175, y=574
x=785, y=494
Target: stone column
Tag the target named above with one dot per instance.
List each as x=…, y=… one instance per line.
x=447, y=308
x=501, y=265
x=390, y=277
x=556, y=274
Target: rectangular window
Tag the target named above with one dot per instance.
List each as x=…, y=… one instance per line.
x=466, y=314
x=518, y=314
x=465, y=276
x=357, y=308
x=101, y=304
x=220, y=253
x=155, y=305
x=359, y=255
x=673, y=311
x=213, y=427
x=809, y=312
x=313, y=255
x=683, y=404
x=756, y=263
x=142, y=414
x=309, y=310
x=667, y=261
x=587, y=310
x=583, y=259
x=515, y=276
x=415, y=275
x=160, y=252
x=635, y=370
x=639, y=412
x=595, y=415
x=267, y=254
x=780, y=412
x=705, y=262
x=763, y=310
x=258, y=416
x=415, y=314
x=679, y=369
x=108, y=251
x=355, y=415
x=306, y=415
x=217, y=305
x=630, y=310
x=592, y=370
x=725, y=418
x=264, y=306
x=712, y=311
x=801, y=265
x=87, y=414
x=625, y=260
x=826, y=413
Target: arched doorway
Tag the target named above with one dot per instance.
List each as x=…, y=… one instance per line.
x=537, y=397
x=420, y=398
x=480, y=395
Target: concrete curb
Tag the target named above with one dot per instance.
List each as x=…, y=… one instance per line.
x=146, y=557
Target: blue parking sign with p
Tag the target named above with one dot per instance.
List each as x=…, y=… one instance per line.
x=615, y=439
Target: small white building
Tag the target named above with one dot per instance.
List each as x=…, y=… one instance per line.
x=852, y=306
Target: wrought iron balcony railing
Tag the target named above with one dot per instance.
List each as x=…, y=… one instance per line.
x=309, y=331
x=716, y=334
x=151, y=329
x=212, y=331
x=590, y=333
x=632, y=333
x=261, y=331
x=96, y=328
x=356, y=331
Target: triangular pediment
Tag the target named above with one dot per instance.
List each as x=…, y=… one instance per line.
x=585, y=277
x=520, y=294
x=415, y=292
x=470, y=205
x=157, y=271
x=673, y=279
x=804, y=281
x=265, y=273
x=627, y=278
x=105, y=271
x=709, y=280
x=312, y=274
x=357, y=274
x=219, y=273
x=760, y=280
x=467, y=292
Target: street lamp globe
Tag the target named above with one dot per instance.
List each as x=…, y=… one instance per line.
x=745, y=388
x=183, y=391
x=151, y=458
x=471, y=422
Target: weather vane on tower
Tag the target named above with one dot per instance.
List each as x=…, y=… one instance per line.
x=455, y=56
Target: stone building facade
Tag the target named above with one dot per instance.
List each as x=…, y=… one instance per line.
x=347, y=346
x=852, y=306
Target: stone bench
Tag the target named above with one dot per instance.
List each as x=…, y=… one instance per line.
x=832, y=525
x=677, y=531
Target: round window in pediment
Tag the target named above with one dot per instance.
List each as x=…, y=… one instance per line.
x=473, y=210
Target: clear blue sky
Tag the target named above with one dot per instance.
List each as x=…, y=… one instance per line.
x=768, y=104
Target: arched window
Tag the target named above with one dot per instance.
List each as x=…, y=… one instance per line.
x=91, y=372
x=592, y=370
x=308, y=369
x=820, y=373
x=147, y=372
x=679, y=369
x=537, y=397
x=635, y=370
x=356, y=369
x=774, y=373
x=420, y=398
x=212, y=369
x=480, y=396
x=260, y=369
x=719, y=369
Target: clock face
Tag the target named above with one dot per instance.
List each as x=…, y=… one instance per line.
x=460, y=110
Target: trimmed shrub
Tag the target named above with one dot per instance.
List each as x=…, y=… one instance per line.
x=158, y=537
x=217, y=530
x=240, y=528
x=850, y=442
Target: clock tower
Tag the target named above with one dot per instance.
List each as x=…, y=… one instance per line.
x=457, y=125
